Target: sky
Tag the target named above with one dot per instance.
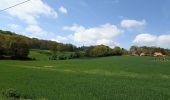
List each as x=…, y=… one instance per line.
x=91, y=22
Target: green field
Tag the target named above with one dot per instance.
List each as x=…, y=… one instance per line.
x=110, y=78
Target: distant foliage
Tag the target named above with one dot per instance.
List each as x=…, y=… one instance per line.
x=167, y=52
x=64, y=56
x=35, y=43
x=103, y=51
x=148, y=51
x=13, y=46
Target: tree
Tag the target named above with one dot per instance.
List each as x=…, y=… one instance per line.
x=13, y=46
x=60, y=47
x=19, y=47
x=99, y=51
x=2, y=44
x=134, y=50
x=149, y=51
x=117, y=51
x=124, y=51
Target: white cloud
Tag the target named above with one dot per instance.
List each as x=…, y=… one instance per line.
x=152, y=40
x=14, y=26
x=103, y=34
x=63, y=10
x=110, y=43
x=130, y=24
x=164, y=40
x=60, y=39
x=37, y=32
x=29, y=13
x=34, y=29
x=145, y=39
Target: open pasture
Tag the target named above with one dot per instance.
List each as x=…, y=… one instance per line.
x=110, y=78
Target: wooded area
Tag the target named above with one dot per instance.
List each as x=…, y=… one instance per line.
x=14, y=46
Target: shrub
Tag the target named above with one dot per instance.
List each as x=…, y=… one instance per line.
x=33, y=58
x=62, y=57
x=1, y=57
x=76, y=55
x=98, y=51
x=11, y=93
x=53, y=57
x=71, y=56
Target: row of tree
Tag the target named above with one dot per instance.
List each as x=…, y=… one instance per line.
x=35, y=43
x=148, y=51
x=17, y=46
x=13, y=46
x=102, y=51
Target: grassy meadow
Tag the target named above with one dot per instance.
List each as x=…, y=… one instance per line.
x=107, y=78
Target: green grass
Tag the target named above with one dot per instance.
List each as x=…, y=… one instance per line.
x=40, y=54
x=45, y=54
x=110, y=78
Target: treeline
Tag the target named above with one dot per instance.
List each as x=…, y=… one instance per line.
x=14, y=46
x=35, y=43
x=148, y=51
x=103, y=51
x=90, y=51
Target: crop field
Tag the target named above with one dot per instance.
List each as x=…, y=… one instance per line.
x=108, y=78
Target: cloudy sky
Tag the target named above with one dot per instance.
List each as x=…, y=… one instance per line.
x=91, y=22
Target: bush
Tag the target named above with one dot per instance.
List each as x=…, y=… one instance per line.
x=76, y=55
x=98, y=51
x=53, y=57
x=1, y=57
x=62, y=57
x=117, y=51
x=11, y=93
x=33, y=58
x=71, y=56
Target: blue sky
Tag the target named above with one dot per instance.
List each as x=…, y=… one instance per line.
x=91, y=22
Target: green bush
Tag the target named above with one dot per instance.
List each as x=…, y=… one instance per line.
x=76, y=55
x=53, y=57
x=71, y=56
x=11, y=93
x=62, y=57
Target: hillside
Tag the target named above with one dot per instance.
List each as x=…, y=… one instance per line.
x=108, y=78
x=14, y=46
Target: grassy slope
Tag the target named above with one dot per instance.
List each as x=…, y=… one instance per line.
x=40, y=54
x=111, y=78
x=45, y=54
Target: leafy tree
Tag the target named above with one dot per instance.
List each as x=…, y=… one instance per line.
x=2, y=44
x=19, y=47
x=99, y=51
x=13, y=45
x=147, y=50
x=117, y=51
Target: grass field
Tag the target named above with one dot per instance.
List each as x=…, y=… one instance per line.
x=110, y=78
